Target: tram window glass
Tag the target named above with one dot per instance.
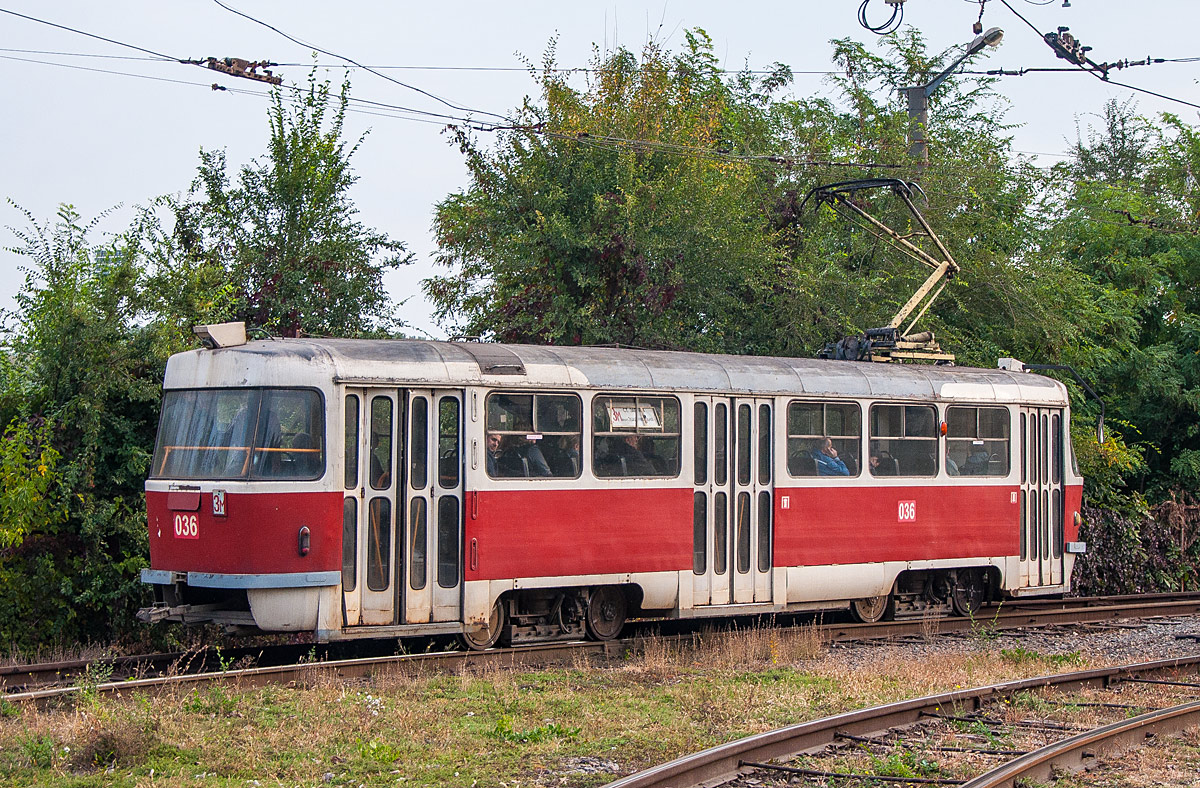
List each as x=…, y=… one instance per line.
x=764, y=531
x=537, y=435
x=1056, y=441
x=416, y=566
x=351, y=456
x=720, y=443
x=240, y=434
x=635, y=436
x=379, y=544
x=349, y=544
x=809, y=423
x=381, y=443
x=764, y=444
x=743, y=444
x=448, y=462
x=977, y=441
x=418, y=444
x=720, y=533
x=903, y=440
x=700, y=459
x=290, y=443
x=448, y=541
x=699, y=533
x=743, y=533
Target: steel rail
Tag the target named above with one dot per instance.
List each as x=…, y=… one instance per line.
x=993, y=619
x=1078, y=752
x=342, y=669
x=726, y=761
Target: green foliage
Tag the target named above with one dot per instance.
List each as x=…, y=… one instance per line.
x=85, y=349
x=379, y=752
x=28, y=465
x=571, y=236
x=505, y=731
x=284, y=240
x=1023, y=656
x=79, y=392
x=215, y=701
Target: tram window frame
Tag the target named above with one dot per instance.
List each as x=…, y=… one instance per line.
x=898, y=438
x=258, y=432
x=801, y=445
x=657, y=424
x=532, y=428
x=965, y=434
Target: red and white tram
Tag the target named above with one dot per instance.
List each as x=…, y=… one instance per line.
x=383, y=488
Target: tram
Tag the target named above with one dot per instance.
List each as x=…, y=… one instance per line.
x=390, y=488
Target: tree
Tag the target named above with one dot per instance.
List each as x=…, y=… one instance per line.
x=574, y=232
x=80, y=397
x=284, y=237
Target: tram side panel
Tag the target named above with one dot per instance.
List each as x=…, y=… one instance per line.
x=255, y=533
x=530, y=533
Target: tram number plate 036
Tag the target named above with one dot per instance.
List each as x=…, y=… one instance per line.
x=907, y=512
x=187, y=526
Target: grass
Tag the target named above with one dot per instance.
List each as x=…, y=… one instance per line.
x=479, y=726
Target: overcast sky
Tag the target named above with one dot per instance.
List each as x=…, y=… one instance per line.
x=118, y=128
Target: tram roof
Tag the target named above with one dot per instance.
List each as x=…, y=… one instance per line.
x=413, y=363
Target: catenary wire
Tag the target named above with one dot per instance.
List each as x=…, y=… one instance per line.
x=450, y=104
x=93, y=35
x=1103, y=77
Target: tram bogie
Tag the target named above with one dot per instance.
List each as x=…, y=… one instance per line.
x=509, y=494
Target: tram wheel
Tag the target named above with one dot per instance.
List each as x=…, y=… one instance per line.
x=970, y=591
x=481, y=639
x=870, y=609
x=606, y=612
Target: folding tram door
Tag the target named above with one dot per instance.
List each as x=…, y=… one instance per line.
x=1042, y=504
x=733, y=501
x=402, y=512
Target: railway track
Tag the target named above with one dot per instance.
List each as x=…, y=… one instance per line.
x=49, y=681
x=986, y=737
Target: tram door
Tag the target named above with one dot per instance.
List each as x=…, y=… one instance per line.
x=432, y=550
x=732, y=501
x=374, y=459
x=1042, y=468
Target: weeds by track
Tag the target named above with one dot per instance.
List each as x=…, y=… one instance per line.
x=295, y=663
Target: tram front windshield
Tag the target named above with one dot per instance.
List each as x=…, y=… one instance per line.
x=240, y=434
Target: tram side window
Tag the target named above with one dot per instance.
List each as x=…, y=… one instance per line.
x=809, y=424
x=533, y=435
x=241, y=433
x=977, y=442
x=903, y=440
x=635, y=436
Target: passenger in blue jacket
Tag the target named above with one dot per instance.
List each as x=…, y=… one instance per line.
x=828, y=462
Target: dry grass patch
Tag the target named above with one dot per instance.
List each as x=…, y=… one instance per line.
x=578, y=725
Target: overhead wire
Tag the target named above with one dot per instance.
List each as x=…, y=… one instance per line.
x=1102, y=77
x=377, y=73
x=93, y=35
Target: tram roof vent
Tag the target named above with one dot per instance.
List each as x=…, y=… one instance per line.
x=494, y=359
x=221, y=334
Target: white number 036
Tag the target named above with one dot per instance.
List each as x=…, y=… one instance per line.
x=187, y=526
x=907, y=512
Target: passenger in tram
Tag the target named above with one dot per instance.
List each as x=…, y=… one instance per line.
x=536, y=460
x=624, y=457
x=828, y=462
x=951, y=466
x=515, y=457
x=492, y=455
x=977, y=463
x=884, y=464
